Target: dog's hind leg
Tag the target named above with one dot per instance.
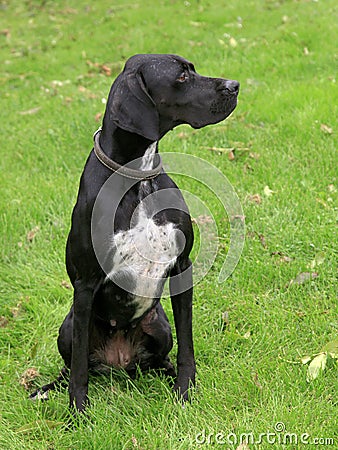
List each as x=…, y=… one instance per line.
x=60, y=382
x=65, y=347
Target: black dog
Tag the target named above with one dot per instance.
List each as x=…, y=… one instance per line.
x=116, y=319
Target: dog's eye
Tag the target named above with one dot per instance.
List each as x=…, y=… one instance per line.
x=182, y=78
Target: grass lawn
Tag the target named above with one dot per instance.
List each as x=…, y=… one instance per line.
x=59, y=59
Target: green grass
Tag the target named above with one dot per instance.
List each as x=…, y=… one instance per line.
x=249, y=372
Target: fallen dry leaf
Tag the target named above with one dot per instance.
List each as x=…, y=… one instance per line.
x=231, y=155
x=256, y=381
x=306, y=51
x=202, y=219
x=285, y=259
x=30, y=111
x=15, y=310
x=65, y=284
x=255, y=198
x=326, y=129
x=6, y=32
x=267, y=191
x=32, y=233
x=28, y=377
x=106, y=70
x=98, y=117
x=262, y=240
x=316, y=366
x=3, y=321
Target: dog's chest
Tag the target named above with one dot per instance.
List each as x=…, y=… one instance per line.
x=142, y=258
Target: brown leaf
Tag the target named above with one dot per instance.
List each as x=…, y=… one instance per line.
x=28, y=377
x=262, y=240
x=326, y=129
x=255, y=198
x=231, y=155
x=32, y=233
x=98, y=117
x=65, y=284
x=203, y=219
x=16, y=310
x=285, y=259
x=106, y=70
x=5, y=32
x=3, y=321
x=256, y=381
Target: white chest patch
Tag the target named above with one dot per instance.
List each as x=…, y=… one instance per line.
x=143, y=255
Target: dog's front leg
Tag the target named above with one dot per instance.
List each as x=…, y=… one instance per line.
x=181, y=292
x=78, y=384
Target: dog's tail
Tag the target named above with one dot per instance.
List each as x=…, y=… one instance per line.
x=59, y=383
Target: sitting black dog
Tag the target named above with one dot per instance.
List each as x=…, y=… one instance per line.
x=116, y=319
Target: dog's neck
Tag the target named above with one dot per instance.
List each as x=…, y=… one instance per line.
x=122, y=146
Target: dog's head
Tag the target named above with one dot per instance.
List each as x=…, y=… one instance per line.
x=155, y=93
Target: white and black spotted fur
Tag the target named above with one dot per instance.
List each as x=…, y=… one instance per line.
x=109, y=326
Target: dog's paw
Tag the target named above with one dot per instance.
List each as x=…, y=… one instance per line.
x=183, y=391
x=39, y=395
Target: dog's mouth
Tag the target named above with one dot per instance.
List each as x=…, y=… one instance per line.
x=218, y=110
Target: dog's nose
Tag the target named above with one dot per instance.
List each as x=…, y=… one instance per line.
x=232, y=86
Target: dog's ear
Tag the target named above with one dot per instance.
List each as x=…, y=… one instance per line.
x=131, y=107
